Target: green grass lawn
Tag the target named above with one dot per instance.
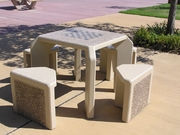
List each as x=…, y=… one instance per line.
x=161, y=11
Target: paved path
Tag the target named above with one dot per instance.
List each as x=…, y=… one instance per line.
x=61, y=11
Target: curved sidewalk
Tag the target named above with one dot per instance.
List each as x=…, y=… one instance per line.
x=61, y=11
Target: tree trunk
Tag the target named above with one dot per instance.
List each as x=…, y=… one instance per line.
x=171, y=17
x=169, y=1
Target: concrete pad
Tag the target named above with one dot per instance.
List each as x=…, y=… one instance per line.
x=165, y=91
x=9, y=119
x=125, y=20
x=161, y=116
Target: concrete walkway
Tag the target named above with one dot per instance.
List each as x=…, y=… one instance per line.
x=161, y=116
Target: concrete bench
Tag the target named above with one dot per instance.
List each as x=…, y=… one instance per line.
x=53, y=62
x=33, y=94
x=20, y=3
x=132, y=88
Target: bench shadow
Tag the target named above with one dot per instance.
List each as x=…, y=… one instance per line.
x=6, y=80
x=11, y=119
x=5, y=91
x=8, y=8
x=99, y=75
x=62, y=89
x=104, y=111
x=145, y=60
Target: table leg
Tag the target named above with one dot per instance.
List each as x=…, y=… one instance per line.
x=90, y=82
x=111, y=58
x=124, y=55
x=30, y=4
x=40, y=53
x=18, y=4
x=77, y=65
x=103, y=60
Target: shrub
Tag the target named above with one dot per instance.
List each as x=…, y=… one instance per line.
x=154, y=37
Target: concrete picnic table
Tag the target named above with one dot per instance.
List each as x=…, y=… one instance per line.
x=20, y=3
x=88, y=40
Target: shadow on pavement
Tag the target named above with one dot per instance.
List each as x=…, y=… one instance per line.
x=8, y=8
x=121, y=7
x=104, y=111
x=11, y=119
x=14, y=39
x=5, y=93
x=62, y=89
